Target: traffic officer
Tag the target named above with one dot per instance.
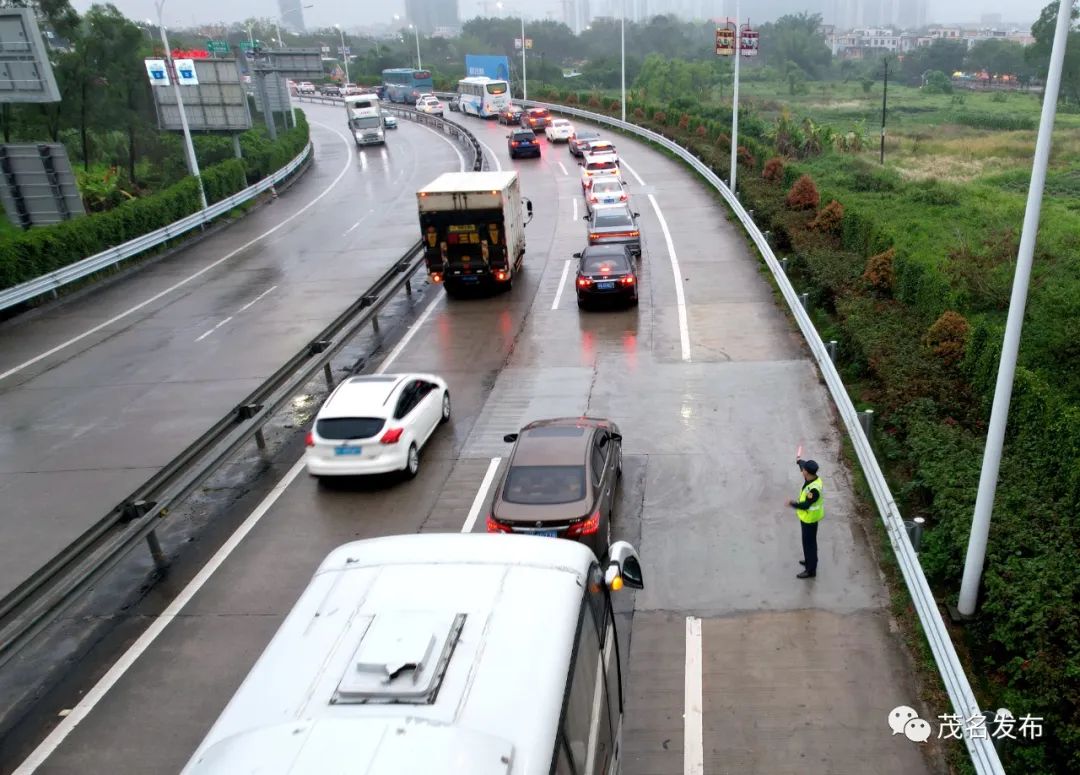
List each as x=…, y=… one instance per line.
x=810, y=509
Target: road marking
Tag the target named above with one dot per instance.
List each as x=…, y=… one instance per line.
x=562, y=284
x=574, y=200
x=189, y=278
x=624, y=165
x=693, y=747
x=409, y=334
x=262, y=295
x=448, y=141
x=563, y=168
x=49, y=745
x=349, y=230
x=680, y=298
x=245, y=307
x=494, y=158
x=481, y=495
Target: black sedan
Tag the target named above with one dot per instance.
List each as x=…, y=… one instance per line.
x=536, y=118
x=606, y=272
x=579, y=141
x=523, y=142
x=511, y=115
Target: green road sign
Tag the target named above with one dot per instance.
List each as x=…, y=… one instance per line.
x=246, y=45
x=218, y=46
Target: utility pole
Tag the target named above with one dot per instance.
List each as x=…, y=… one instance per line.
x=999, y=413
x=884, y=102
x=524, y=79
x=735, y=103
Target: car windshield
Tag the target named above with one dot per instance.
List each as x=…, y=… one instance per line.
x=611, y=186
x=602, y=219
x=594, y=166
x=367, y=122
x=604, y=264
x=523, y=135
x=539, y=113
x=342, y=428
x=543, y=485
x=560, y=122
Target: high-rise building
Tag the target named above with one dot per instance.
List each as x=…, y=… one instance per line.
x=428, y=15
x=576, y=14
x=292, y=15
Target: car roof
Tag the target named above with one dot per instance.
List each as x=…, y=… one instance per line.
x=607, y=208
x=539, y=110
x=560, y=121
x=524, y=130
x=364, y=394
x=462, y=610
x=557, y=441
x=616, y=249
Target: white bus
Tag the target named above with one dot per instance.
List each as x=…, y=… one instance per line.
x=438, y=653
x=483, y=96
x=364, y=114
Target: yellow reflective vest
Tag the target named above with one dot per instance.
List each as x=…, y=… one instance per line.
x=816, y=512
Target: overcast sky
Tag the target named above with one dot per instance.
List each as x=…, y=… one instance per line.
x=184, y=13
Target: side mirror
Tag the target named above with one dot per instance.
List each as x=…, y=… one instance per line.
x=508, y=137
x=616, y=437
x=584, y=217
x=510, y=438
x=528, y=206
x=637, y=215
x=624, y=567
x=577, y=255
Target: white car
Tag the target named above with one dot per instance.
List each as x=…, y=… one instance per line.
x=376, y=425
x=430, y=104
x=607, y=190
x=596, y=167
x=559, y=130
x=305, y=87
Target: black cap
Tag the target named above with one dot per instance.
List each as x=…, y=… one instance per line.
x=809, y=465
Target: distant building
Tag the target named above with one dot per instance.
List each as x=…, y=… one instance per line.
x=292, y=15
x=576, y=14
x=428, y=15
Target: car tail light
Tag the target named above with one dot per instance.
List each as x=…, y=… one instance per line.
x=628, y=280
x=594, y=237
x=593, y=199
x=584, y=282
x=495, y=526
x=392, y=436
x=585, y=527
x=436, y=277
x=514, y=144
x=622, y=197
x=500, y=274
x=309, y=440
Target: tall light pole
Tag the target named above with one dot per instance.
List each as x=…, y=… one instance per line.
x=193, y=163
x=344, y=55
x=622, y=46
x=735, y=103
x=524, y=77
x=999, y=413
x=416, y=30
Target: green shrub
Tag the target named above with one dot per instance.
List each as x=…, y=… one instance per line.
x=1005, y=121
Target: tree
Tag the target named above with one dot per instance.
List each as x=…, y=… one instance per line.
x=797, y=39
x=1038, y=53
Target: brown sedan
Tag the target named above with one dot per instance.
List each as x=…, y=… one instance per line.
x=560, y=481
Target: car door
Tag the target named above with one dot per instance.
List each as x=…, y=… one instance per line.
x=601, y=465
x=430, y=406
x=405, y=412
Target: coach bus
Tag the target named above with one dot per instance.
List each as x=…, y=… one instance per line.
x=403, y=84
x=483, y=96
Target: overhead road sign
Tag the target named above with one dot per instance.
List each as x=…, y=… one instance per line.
x=25, y=72
x=218, y=47
x=291, y=62
x=158, y=71
x=185, y=72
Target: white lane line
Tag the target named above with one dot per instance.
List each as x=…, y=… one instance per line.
x=494, y=158
x=349, y=230
x=693, y=742
x=574, y=200
x=262, y=295
x=563, y=168
x=204, y=334
x=680, y=297
x=49, y=745
x=448, y=141
x=481, y=495
x=625, y=166
x=409, y=334
x=562, y=284
x=223, y=322
x=189, y=278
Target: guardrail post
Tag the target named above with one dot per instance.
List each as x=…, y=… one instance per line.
x=329, y=374
x=156, y=552
x=784, y=264
x=766, y=234
x=866, y=420
x=914, y=529
x=830, y=347
x=260, y=440
x=408, y=287
x=804, y=299
x=375, y=323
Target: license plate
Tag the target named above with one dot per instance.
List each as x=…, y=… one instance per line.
x=347, y=450
x=605, y=286
x=470, y=278
x=547, y=533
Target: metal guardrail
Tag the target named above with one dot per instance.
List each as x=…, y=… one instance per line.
x=51, y=282
x=458, y=132
x=50, y=591
x=983, y=754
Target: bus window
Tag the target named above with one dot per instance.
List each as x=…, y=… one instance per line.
x=590, y=740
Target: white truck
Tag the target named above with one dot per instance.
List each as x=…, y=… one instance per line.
x=364, y=114
x=473, y=228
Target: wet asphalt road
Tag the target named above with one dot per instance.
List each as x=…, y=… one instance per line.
x=84, y=426
x=713, y=395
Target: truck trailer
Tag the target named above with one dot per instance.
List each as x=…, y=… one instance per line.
x=473, y=228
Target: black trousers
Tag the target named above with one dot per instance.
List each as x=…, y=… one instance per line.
x=809, y=545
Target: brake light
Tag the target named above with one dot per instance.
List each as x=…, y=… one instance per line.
x=593, y=199
x=628, y=280
x=585, y=527
x=436, y=277
x=622, y=197
x=494, y=526
x=594, y=237
x=392, y=436
x=309, y=441
x=500, y=274
x=514, y=143
x=584, y=282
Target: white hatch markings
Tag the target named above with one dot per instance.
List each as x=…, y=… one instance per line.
x=195, y=275
x=693, y=744
x=349, y=230
x=246, y=307
x=562, y=284
x=680, y=297
x=563, y=168
x=448, y=141
x=481, y=495
x=49, y=745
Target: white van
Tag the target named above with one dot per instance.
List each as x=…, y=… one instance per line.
x=364, y=113
x=438, y=653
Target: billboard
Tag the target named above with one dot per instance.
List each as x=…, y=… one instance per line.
x=497, y=67
x=218, y=104
x=25, y=71
x=37, y=186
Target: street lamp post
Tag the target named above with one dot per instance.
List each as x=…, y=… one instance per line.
x=999, y=413
x=193, y=163
x=735, y=103
x=416, y=30
x=622, y=46
x=344, y=55
x=524, y=77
